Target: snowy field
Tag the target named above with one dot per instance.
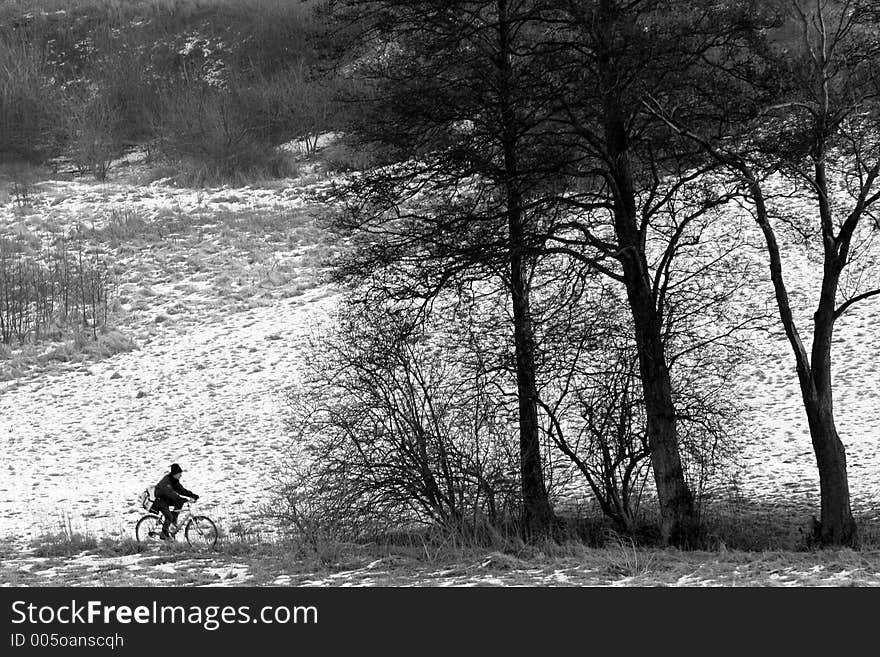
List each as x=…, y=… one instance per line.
x=778, y=461
x=219, y=304
x=217, y=319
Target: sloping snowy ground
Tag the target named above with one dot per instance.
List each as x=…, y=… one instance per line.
x=779, y=464
x=210, y=398
x=778, y=460
x=218, y=312
x=220, y=306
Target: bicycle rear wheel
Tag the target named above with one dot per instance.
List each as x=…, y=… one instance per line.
x=148, y=528
x=201, y=532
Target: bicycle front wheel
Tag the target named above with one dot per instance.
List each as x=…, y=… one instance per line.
x=148, y=529
x=201, y=532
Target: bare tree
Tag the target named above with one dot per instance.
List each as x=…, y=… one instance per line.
x=523, y=123
x=630, y=170
x=455, y=97
x=589, y=379
x=807, y=95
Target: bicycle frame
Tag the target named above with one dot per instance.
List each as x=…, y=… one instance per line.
x=183, y=516
x=197, y=528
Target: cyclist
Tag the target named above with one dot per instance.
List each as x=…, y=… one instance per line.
x=170, y=497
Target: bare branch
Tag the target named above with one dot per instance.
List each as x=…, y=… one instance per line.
x=851, y=302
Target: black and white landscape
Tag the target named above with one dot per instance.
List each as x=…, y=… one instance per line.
x=510, y=292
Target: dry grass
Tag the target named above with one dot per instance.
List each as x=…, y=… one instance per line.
x=626, y=559
x=63, y=544
x=120, y=548
x=80, y=560
x=79, y=348
x=219, y=261
x=83, y=347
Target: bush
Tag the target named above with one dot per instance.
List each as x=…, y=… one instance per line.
x=593, y=396
x=609, y=446
x=212, y=135
x=289, y=104
x=44, y=292
x=103, y=76
x=127, y=85
x=31, y=105
x=343, y=157
x=92, y=137
x=239, y=89
x=399, y=430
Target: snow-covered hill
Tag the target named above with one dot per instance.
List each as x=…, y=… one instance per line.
x=219, y=300
x=218, y=308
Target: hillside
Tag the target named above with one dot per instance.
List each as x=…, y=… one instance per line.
x=218, y=289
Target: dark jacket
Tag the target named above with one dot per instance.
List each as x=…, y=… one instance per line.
x=170, y=490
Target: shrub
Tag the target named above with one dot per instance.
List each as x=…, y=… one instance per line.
x=291, y=103
x=102, y=76
x=609, y=446
x=593, y=397
x=45, y=291
x=344, y=157
x=31, y=105
x=92, y=137
x=211, y=133
x=398, y=431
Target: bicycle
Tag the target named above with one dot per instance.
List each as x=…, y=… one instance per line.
x=199, y=530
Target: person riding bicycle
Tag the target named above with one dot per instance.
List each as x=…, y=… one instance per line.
x=170, y=497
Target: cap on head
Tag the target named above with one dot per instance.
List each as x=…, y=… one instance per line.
x=175, y=469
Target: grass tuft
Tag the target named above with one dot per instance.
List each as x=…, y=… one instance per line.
x=63, y=544
x=624, y=558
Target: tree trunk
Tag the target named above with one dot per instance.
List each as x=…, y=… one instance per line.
x=837, y=526
x=537, y=512
x=679, y=523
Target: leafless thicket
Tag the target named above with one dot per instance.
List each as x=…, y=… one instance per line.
x=401, y=426
x=407, y=415
x=46, y=292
